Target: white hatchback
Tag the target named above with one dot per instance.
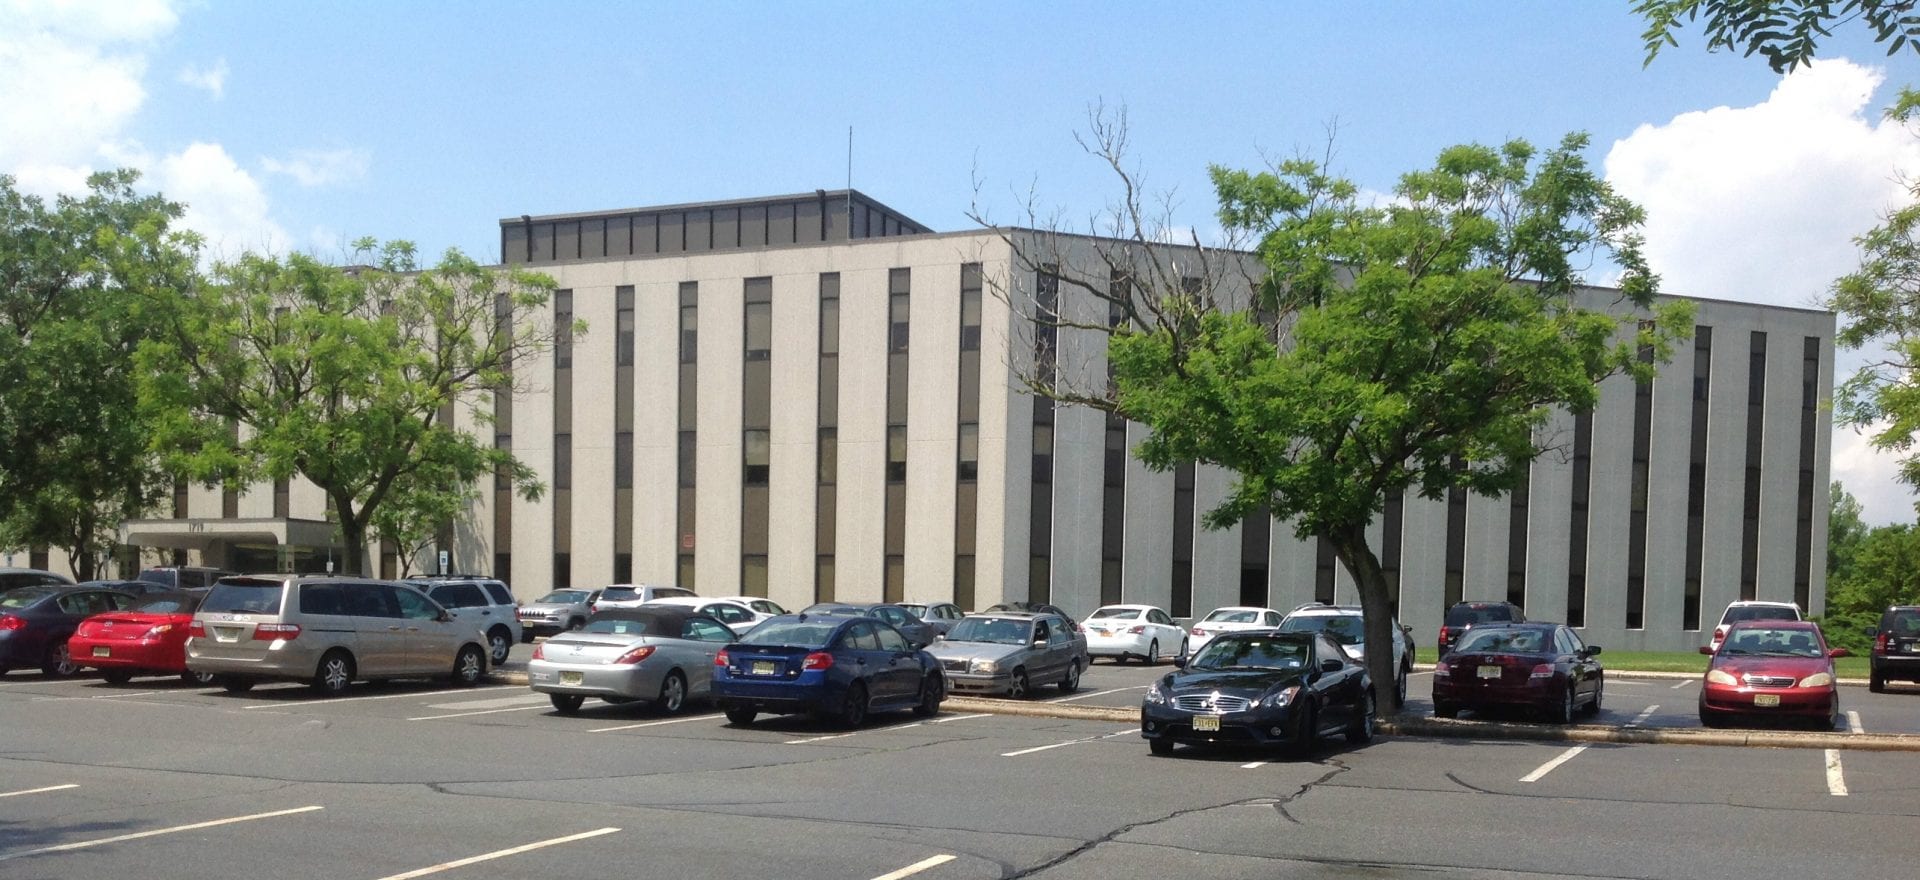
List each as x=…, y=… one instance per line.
x=1123, y=631
x=1233, y=618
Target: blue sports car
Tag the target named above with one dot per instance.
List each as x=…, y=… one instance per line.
x=831, y=666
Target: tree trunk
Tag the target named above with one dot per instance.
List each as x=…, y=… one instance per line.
x=353, y=532
x=1350, y=547
x=85, y=564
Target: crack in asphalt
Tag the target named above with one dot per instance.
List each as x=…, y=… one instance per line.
x=1280, y=805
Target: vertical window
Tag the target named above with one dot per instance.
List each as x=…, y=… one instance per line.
x=1046, y=292
x=1256, y=530
x=1697, y=473
x=759, y=306
x=503, y=476
x=563, y=329
x=897, y=454
x=686, y=501
x=970, y=307
x=689, y=324
x=969, y=452
x=757, y=451
x=1750, y=497
x=1577, y=539
x=688, y=458
x=899, y=289
x=623, y=339
x=623, y=404
x=756, y=414
x=1636, y=617
x=827, y=462
x=1324, y=565
x=623, y=460
x=1181, y=579
x=1803, y=508
x=898, y=309
x=1113, y=506
x=563, y=461
x=1454, y=587
x=829, y=456
x=1517, y=540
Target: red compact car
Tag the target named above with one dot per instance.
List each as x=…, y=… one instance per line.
x=148, y=638
x=1772, y=668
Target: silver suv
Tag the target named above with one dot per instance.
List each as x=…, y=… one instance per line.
x=482, y=602
x=329, y=631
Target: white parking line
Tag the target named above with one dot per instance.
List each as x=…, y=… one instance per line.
x=1548, y=767
x=1836, y=777
x=1853, y=722
x=959, y=718
x=655, y=723
x=1097, y=694
x=916, y=868
x=1253, y=766
x=481, y=712
x=815, y=739
x=121, y=838
x=1681, y=685
x=1071, y=742
x=39, y=790
x=499, y=853
x=1420, y=673
x=277, y=704
x=495, y=703
x=1643, y=716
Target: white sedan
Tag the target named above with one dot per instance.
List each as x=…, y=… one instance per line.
x=1233, y=618
x=739, y=613
x=1123, y=631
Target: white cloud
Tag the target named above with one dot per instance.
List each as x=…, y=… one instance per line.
x=224, y=202
x=321, y=167
x=1762, y=204
x=212, y=79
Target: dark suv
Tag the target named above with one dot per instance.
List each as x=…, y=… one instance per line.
x=1466, y=614
x=1896, y=647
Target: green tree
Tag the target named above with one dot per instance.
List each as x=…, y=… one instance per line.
x=1413, y=347
x=420, y=505
x=74, y=281
x=348, y=377
x=1784, y=32
x=1885, y=570
x=1846, y=531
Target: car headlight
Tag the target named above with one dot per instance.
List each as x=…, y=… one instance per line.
x=983, y=667
x=1719, y=676
x=1817, y=680
x=1156, y=694
x=1283, y=697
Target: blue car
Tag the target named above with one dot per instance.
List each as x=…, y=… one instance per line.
x=831, y=666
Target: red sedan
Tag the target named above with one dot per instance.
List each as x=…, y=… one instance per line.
x=148, y=638
x=1542, y=666
x=1772, y=668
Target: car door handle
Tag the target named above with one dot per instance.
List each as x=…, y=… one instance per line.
x=393, y=629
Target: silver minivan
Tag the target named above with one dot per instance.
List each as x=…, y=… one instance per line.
x=329, y=631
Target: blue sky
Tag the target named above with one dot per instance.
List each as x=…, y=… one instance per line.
x=300, y=126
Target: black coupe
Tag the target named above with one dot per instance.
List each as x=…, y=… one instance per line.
x=1260, y=689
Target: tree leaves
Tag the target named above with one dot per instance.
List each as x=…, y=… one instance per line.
x=1785, y=33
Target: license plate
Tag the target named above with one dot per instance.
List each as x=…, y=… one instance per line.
x=570, y=678
x=226, y=634
x=1488, y=672
x=762, y=667
x=1766, y=699
x=102, y=651
x=1103, y=633
x=1206, y=723
x=1913, y=647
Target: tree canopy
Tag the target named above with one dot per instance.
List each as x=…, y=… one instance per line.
x=1786, y=33
x=76, y=281
x=347, y=376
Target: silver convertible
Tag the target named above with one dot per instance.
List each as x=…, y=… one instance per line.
x=1011, y=653
x=655, y=654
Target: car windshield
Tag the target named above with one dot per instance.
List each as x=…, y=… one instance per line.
x=564, y=597
x=237, y=596
x=1772, y=642
x=915, y=610
x=1342, y=628
x=24, y=596
x=1226, y=615
x=618, y=594
x=1117, y=614
x=160, y=576
x=995, y=630
x=167, y=603
x=1503, y=641
x=1737, y=613
x=1263, y=652
x=795, y=633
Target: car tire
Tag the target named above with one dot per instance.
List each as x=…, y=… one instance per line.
x=499, y=644
x=1563, y=712
x=1443, y=709
x=1360, y=731
x=567, y=704
x=932, y=691
x=1876, y=683
x=1185, y=644
x=1400, y=687
x=1018, y=687
x=526, y=637
x=673, y=694
x=1599, y=691
x=1306, y=732
x=740, y=717
x=117, y=676
x=469, y=666
x=334, y=674
x=853, y=708
x=1153, y=653
x=1159, y=746
x=236, y=685
x=1071, y=681
x=575, y=623
x=58, y=661
x=1710, y=718
x=198, y=678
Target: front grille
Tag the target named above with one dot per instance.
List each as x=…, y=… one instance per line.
x=951, y=665
x=1769, y=681
x=1211, y=703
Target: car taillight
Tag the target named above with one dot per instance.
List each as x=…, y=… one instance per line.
x=196, y=630
x=720, y=659
x=1880, y=643
x=1442, y=670
x=11, y=622
x=817, y=660
x=1199, y=632
x=540, y=651
x=1446, y=633
x=1136, y=630
x=160, y=629
x=271, y=632
x=1544, y=670
x=636, y=655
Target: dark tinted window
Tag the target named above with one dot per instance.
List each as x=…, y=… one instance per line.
x=243, y=596
x=1759, y=612
x=461, y=596
x=499, y=592
x=618, y=594
x=1462, y=615
x=165, y=577
x=1901, y=621
x=323, y=599
x=1264, y=652
x=891, y=640
x=1506, y=640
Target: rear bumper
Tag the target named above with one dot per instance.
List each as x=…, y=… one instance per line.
x=1533, y=692
x=128, y=654
x=288, y=660
x=1905, y=666
x=638, y=682
x=1124, y=645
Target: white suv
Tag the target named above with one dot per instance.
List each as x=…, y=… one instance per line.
x=1346, y=625
x=480, y=602
x=634, y=595
x=1748, y=609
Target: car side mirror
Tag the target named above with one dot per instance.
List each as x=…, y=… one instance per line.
x=1705, y=650
x=444, y=616
x=1180, y=661
x=1872, y=632
x=1839, y=652
x=1331, y=665
x=1592, y=650
x=1040, y=641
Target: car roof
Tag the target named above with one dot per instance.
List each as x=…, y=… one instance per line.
x=1014, y=615
x=1130, y=607
x=1774, y=624
x=1326, y=610
x=1768, y=603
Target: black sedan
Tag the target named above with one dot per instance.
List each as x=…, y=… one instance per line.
x=917, y=631
x=35, y=623
x=1263, y=689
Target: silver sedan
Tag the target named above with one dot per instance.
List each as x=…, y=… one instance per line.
x=661, y=655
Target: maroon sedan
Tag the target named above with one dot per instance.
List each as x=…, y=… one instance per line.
x=1772, y=668
x=148, y=638
x=1541, y=666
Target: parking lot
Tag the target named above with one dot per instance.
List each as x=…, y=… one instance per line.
x=160, y=779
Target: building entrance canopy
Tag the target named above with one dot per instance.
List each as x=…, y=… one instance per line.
x=204, y=534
